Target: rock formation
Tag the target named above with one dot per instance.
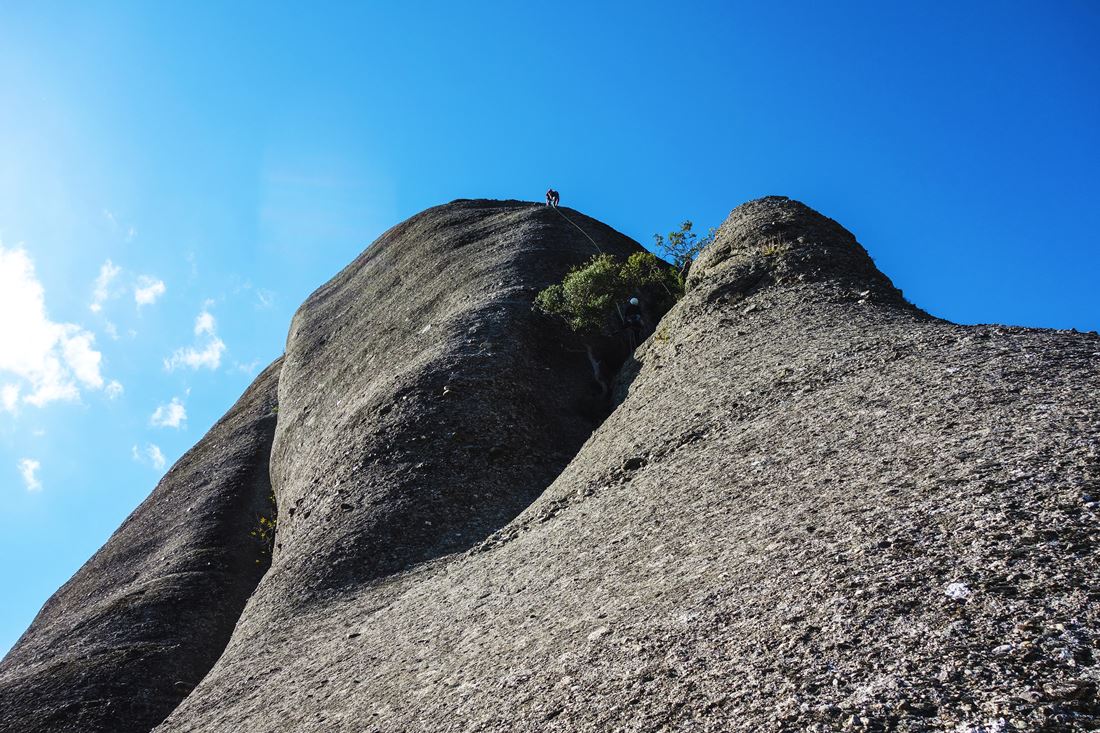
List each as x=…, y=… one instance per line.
x=814, y=507
x=129, y=636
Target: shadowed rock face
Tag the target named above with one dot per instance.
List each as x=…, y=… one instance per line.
x=815, y=506
x=120, y=644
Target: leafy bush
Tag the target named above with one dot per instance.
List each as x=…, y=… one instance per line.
x=588, y=299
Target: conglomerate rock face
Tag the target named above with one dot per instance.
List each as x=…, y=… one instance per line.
x=815, y=507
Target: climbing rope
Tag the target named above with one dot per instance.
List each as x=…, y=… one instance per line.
x=590, y=239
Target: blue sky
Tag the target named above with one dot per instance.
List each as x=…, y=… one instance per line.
x=176, y=178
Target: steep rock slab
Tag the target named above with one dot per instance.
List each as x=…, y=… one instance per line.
x=817, y=507
x=120, y=644
x=423, y=405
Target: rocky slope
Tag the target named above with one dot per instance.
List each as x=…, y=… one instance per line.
x=129, y=636
x=815, y=508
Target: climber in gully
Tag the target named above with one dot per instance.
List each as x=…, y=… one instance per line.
x=633, y=321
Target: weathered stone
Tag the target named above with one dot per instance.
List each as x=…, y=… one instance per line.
x=817, y=476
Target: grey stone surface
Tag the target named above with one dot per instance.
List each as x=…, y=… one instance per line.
x=815, y=507
x=129, y=636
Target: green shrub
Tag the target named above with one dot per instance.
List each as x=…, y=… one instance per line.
x=588, y=299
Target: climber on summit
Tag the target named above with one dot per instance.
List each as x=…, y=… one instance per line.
x=632, y=319
x=552, y=197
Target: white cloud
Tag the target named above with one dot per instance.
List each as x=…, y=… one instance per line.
x=148, y=289
x=82, y=358
x=111, y=329
x=249, y=368
x=155, y=456
x=151, y=455
x=111, y=219
x=208, y=355
x=53, y=359
x=108, y=271
x=264, y=298
x=172, y=415
x=205, y=323
x=9, y=397
x=131, y=233
x=29, y=468
x=113, y=389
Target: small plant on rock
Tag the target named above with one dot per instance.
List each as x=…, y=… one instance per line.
x=773, y=247
x=264, y=530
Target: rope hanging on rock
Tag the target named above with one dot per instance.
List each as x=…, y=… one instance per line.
x=590, y=239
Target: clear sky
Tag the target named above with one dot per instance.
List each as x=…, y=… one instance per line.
x=176, y=177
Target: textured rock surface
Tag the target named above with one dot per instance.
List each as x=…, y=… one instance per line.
x=816, y=507
x=129, y=636
x=423, y=403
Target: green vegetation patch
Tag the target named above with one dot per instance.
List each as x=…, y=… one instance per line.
x=591, y=296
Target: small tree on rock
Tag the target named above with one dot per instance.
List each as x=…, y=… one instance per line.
x=683, y=246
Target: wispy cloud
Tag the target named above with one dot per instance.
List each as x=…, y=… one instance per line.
x=248, y=368
x=9, y=397
x=116, y=225
x=172, y=415
x=151, y=455
x=207, y=355
x=204, y=323
x=49, y=361
x=108, y=271
x=28, y=467
x=113, y=389
x=148, y=289
x=264, y=298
